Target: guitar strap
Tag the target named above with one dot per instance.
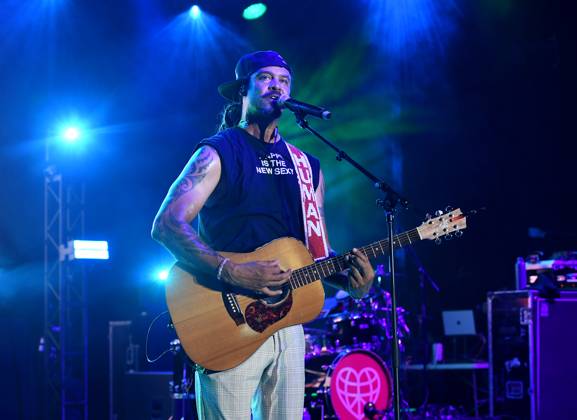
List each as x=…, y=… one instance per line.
x=315, y=235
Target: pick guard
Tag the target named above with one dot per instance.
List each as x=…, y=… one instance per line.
x=259, y=316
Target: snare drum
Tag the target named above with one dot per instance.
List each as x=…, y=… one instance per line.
x=354, y=379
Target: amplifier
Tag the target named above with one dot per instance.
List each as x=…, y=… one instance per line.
x=139, y=393
x=556, y=274
x=145, y=396
x=532, y=349
x=121, y=359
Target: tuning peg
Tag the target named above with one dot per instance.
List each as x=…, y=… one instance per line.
x=428, y=216
x=458, y=233
x=439, y=213
x=448, y=209
x=438, y=241
x=448, y=236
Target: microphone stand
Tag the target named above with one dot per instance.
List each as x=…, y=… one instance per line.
x=389, y=204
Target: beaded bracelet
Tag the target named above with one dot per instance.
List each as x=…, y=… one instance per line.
x=220, y=267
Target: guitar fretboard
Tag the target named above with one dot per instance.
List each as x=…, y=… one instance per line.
x=330, y=266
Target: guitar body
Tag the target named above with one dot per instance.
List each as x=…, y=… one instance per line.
x=220, y=329
x=209, y=334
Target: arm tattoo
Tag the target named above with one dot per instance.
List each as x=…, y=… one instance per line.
x=193, y=174
x=185, y=244
x=176, y=234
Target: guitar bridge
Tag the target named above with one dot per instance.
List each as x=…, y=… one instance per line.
x=233, y=308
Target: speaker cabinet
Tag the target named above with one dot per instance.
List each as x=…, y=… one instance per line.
x=146, y=396
x=532, y=355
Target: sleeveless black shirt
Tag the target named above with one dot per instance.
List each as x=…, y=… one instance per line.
x=257, y=198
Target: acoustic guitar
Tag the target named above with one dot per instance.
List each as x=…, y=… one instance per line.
x=219, y=327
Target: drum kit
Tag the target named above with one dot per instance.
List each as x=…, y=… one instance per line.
x=346, y=377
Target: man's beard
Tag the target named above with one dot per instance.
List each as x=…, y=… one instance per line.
x=264, y=114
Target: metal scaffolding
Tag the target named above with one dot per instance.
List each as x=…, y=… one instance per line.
x=64, y=342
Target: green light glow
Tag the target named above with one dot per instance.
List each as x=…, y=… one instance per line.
x=254, y=11
x=370, y=122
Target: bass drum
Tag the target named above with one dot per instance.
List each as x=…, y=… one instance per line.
x=354, y=379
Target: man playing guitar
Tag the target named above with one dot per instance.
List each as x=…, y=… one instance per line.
x=249, y=187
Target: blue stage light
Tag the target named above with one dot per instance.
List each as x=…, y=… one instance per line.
x=195, y=12
x=188, y=44
x=162, y=275
x=71, y=134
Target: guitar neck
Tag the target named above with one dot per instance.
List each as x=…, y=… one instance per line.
x=330, y=266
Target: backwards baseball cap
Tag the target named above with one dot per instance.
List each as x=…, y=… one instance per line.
x=246, y=66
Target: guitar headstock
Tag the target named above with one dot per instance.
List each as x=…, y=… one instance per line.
x=445, y=225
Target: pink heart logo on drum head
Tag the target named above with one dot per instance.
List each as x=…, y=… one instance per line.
x=357, y=388
x=357, y=378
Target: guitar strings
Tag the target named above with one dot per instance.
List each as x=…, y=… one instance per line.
x=313, y=272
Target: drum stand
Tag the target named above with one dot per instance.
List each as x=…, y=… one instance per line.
x=389, y=204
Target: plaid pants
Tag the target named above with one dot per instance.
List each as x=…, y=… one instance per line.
x=269, y=384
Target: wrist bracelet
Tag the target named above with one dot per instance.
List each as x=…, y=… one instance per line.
x=220, y=267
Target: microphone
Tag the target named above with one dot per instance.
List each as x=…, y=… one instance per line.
x=303, y=108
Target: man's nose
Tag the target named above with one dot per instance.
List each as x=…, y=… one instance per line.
x=274, y=85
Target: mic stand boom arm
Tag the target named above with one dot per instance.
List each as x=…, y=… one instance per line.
x=390, y=203
x=392, y=198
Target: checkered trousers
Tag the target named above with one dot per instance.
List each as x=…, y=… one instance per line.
x=269, y=384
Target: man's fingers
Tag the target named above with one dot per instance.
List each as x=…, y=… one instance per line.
x=357, y=256
x=358, y=265
x=361, y=262
x=360, y=254
x=272, y=266
x=359, y=259
x=273, y=273
x=275, y=282
x=357, y=276
x=354, y=284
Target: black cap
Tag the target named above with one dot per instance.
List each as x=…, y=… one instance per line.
x=246, y=66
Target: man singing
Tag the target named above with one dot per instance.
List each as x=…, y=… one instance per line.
x=244, y=185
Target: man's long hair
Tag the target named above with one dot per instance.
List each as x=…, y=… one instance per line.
x=230, y=116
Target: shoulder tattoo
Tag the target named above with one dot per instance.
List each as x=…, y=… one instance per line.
x=195, y=171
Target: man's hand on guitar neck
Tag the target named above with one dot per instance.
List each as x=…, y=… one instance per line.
x=360, y=274
x=260, y=276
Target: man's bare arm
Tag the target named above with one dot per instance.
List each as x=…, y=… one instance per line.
x=172, y=228
x=186, y=197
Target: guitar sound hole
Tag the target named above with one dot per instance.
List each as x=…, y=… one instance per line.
x=271, y=300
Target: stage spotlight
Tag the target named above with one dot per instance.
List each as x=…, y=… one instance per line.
x=85, y=250
x=71, y=134
x=254, y=11
x=195, y=12
x=162, y=275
